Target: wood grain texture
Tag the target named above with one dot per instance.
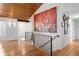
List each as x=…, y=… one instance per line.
x=71, y=50
x=20, y=48
x=18, y=10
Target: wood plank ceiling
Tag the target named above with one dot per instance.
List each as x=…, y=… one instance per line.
x=20, y=11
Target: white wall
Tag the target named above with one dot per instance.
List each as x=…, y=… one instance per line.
x=74, y=29
x=41, y=9
x=71, y=29
x=2, y=30
x=77, y=30
x=22, y=28
x=11, y=31
x=7, y=31
x=16, y=32
x=61, y=9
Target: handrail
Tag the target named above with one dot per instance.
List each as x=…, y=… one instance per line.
x=49, y=40
x=50, y=44
x=33, y=37
x=42, y=35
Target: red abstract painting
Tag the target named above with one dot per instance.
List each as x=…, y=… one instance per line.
x=46, y=21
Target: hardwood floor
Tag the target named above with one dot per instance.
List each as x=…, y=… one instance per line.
x=20, y=48
x=70, y=50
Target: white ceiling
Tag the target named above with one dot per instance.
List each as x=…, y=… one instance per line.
x=73, y=13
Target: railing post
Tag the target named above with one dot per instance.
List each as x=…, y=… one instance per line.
x=33, y=38
x=51, y=46
x=25, y=36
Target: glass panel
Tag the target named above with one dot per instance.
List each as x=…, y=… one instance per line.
x=40, y=40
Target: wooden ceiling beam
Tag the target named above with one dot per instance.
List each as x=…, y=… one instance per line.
x=21, y=20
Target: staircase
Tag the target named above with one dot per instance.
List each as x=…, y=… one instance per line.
x=42, y=44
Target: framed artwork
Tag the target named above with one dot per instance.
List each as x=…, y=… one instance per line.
x=46, y=21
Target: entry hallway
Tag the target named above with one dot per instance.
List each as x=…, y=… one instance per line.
x=20, y=48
